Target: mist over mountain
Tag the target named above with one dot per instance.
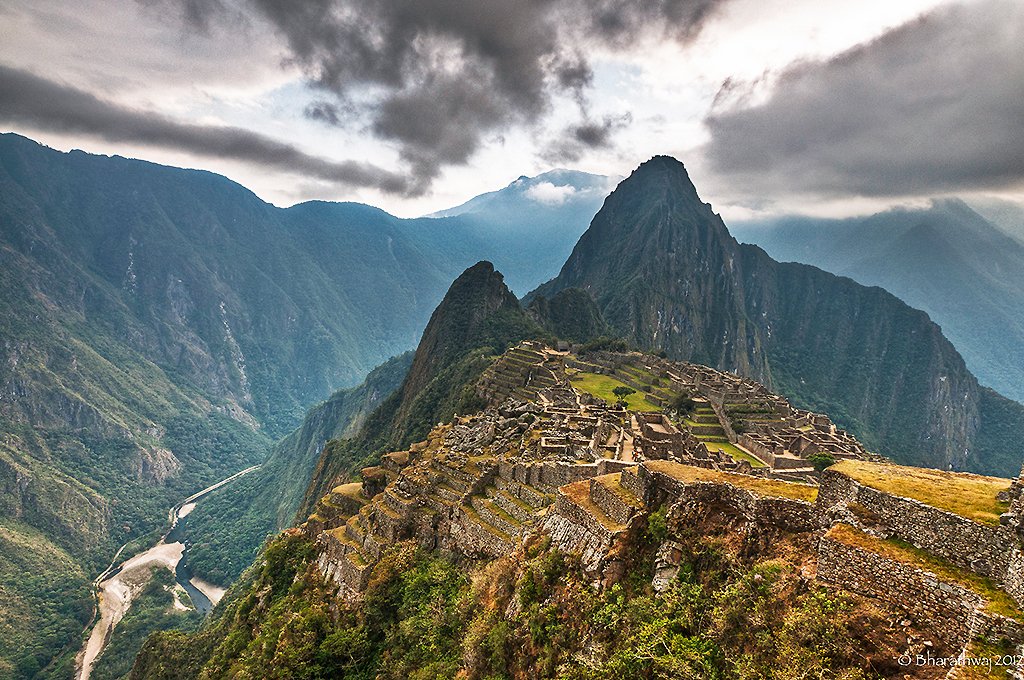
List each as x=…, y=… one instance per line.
x=947, y=260
x=1007, y=215
x=535, y=221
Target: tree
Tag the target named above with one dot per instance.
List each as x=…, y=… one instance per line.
x=820, y=461
x=683, y=404
x=621, y=392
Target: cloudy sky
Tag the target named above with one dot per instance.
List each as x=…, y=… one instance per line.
x=820, y=106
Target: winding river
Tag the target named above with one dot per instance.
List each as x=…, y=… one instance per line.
x=118, y=585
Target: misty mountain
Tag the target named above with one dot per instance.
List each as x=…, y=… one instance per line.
x=947, y=260
x=534, y=221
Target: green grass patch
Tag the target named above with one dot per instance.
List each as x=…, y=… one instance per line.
x=737, y=453
x=601, y=386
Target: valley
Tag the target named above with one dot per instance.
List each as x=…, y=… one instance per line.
x=395, y=341
x=117, y=587
x=660, y=339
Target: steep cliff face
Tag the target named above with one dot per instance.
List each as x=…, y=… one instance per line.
x=226, y=530
x=662, y=268
x=571, y=314
x=946, y=259
x=667, y=275
x=473, y=313
x=478, y=318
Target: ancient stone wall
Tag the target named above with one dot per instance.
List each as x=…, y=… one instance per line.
x=945, y=608
x=611, y=502
x=985, y=550
x=785, y=513
x=574, y=530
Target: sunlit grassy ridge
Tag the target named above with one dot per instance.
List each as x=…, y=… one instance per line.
x=968, y=495
x=760, y=486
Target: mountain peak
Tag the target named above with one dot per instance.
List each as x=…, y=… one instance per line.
x=477, y=311
x=653, y=216
x=666, y=170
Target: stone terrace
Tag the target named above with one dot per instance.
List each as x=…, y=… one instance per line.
x=550, y=458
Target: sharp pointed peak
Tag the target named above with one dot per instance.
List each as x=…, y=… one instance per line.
x=664, y=170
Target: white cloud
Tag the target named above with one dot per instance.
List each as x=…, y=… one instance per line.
x=548, y=194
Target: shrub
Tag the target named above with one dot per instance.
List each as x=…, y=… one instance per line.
x=820, y=461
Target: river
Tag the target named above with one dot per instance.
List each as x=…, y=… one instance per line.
x=118, y=585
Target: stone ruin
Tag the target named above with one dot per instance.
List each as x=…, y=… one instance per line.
x=549, y=459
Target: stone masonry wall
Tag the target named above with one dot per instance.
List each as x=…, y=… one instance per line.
x=609, y=501
x=947, y=609
x=574, y=530
x=786, y=513
x=985, y=550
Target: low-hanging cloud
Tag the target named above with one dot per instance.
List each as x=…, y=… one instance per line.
x=934, y=105
x=550, y=194
x=28, y=99
x=575, y=140
x=437, y=77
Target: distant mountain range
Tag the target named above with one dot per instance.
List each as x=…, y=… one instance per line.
x=162, y=327
x=963, y=269
x=535, y=221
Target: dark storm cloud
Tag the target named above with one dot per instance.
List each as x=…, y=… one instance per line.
x=437, y=76
x=577, y=139
x=31, y=100
x=936, y=104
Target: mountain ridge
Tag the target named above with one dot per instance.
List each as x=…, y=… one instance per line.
x=161, y=327
x=667, y=275
x=946, y=259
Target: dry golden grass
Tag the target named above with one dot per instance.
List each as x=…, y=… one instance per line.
x=758, y=485
x=968, y=495
x=579, y=493
x=612, y=482
x=998, y=601
x=353, y=490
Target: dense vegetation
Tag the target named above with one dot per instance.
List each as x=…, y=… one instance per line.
x=571, y=315
x=226, y=530
x=530, y=616
x=45, y=602
x=66, y=532
x=153, y=609
x=945, y=259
